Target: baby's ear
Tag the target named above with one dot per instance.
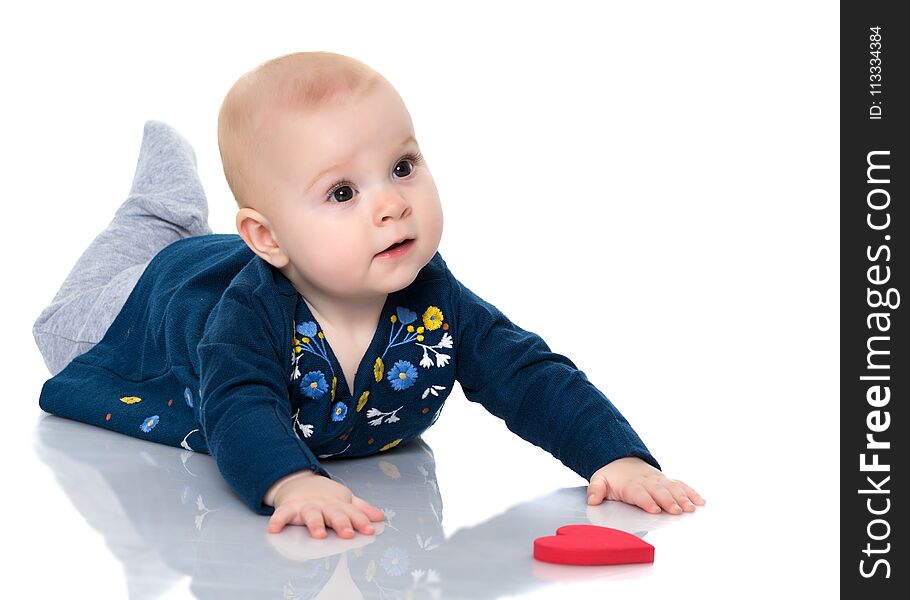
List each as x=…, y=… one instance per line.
x=256, y=231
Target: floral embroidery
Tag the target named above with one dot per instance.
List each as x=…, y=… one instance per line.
x=441, y=359
x=306, y=343
x=408, y=326
x=305, y=428
x=188, y=396
x=378, y=413
x=404, y=316
x=363, y=400
x=389, y=446
x=432, y=390
x=402, y=375
x=432, y=318
x=131, y=399
x=149, y=423
x=313, y=384
x=339, y=411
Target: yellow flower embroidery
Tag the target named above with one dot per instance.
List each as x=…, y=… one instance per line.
x=363, y=400
x=410, y=328
x=321, y=335
x=432, y=318
x=394, y=318
x=131, y=399
x=334, y=381
x=392, y=445
x=378, y=369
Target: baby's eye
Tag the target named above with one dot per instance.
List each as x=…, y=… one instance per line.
x=412, y=160
x=398, y=170
x=342, y=193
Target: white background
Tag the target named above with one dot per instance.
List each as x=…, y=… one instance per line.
x=651, y=187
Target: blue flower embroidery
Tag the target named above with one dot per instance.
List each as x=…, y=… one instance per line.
x=339, y=411
x=188, y=396
x=149, y=423
x=307, y=329
x=313, y=384
x=406, y=315
x=402, y=375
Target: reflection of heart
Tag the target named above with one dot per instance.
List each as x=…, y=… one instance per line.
x=592, y=545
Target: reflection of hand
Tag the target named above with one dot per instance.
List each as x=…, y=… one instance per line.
x=633, y=481
x=296, y=544
x=307, y=498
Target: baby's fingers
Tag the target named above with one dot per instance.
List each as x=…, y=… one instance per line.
x=664, y=498
x=692, y=494
x=282, y=516
x=314, y=522
x=373, y=513
x=358, y=519
x=685, y=496
x=637, y=495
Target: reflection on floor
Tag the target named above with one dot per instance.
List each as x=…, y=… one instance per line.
x=166, y=513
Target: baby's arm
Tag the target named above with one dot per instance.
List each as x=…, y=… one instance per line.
x=244, y=412
x=633, y=481
x=307, y=498
x=544, y=398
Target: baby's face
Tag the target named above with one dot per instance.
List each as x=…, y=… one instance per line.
x=344, y=183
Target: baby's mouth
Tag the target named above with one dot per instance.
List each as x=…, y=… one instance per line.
x=404, y=242
x=401, y=243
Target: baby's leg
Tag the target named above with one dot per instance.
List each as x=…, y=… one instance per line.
x=166, y=203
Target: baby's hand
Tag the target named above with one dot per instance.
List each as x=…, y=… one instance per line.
x=310, y=499
x=635, y=482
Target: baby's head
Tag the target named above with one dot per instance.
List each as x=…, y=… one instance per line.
x=321, y=155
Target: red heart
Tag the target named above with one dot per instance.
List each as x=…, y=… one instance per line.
x=592, y=545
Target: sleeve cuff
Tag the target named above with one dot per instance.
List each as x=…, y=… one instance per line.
x=252, y=468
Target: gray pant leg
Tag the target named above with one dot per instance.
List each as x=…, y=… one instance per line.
x=166, y=203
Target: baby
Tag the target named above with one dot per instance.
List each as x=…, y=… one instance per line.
x=331, y=326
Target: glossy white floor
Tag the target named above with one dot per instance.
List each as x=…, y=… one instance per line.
x=623, y=182
x=118, y=517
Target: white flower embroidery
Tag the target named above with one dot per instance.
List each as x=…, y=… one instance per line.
x=378, y=413
x=305, y=428
x=441, y=359
x=432, y=390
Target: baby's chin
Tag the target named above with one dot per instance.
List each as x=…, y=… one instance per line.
x=400, y=279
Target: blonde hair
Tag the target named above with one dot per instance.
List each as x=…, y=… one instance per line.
x=295, y=82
